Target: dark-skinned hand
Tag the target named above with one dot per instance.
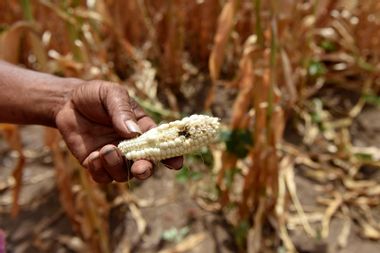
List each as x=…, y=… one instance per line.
x=95, y=118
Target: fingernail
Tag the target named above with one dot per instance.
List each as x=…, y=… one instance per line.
x=111, y=156
x=167, y=165
x=133, y=127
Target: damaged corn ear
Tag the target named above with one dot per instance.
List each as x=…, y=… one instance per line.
x=172, y=139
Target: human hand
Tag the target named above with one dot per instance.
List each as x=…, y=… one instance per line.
x=95, y=118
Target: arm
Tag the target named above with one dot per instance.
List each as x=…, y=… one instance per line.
x=92, y=117
x=28, y=97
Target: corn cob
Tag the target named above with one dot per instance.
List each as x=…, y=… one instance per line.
x=172, y=139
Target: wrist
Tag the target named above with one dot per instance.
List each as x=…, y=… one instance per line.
x=63, y=94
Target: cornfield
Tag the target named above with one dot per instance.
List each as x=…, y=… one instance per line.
x=295, y=83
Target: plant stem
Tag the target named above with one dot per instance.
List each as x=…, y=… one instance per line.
x=73, y=33
x=273, y=57
x=259, y=29
x=27, y=10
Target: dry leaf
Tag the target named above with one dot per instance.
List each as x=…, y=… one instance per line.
x=246, y=85
x=345, y=233
x=370, y=232
x=290, y=183
x=254, y=237
x=140, y=221
x=13, y=137
x=10, y=40
x=225, y=25
x=330, y=211
x=289, y=77
x=281, y=208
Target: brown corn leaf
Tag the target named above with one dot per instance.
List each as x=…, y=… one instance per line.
x=281, y=208
x=347, y=41
x=254, y=238
x=277, y=125
x=345, y=232
x=225, y=25
x=288, y=77
x=370, y=232
x=244, y=98
x=63, y=175
x=290, y=183
x=12, y=136
x=330, y=211
x=240, y=108
x=10, y=40
x=140, y=221
x=95, y=212
x=17, y=175
x=171, y=60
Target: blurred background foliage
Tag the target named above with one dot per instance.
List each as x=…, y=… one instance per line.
x=289, y=79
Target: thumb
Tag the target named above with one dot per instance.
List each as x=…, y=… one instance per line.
x=118, y=105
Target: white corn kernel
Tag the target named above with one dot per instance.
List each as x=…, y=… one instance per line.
x=172, y=139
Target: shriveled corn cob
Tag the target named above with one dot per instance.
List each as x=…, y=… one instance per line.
x=172, y=139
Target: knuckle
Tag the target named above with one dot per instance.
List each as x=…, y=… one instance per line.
x=126, y=108
x=133, y=104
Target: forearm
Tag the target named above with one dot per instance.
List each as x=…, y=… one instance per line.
x=29, y=97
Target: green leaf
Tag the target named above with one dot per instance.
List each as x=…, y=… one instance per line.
x=185, y=174
x=175, y=235
x=328, y=45
x=237, y=141
x=317, y=109
x=316, y=68
x=364, y=157
x=363, y=64
x=241, y=232
x=372, y=99
x=229, y=176
x=207, y=157
x=316, y=114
